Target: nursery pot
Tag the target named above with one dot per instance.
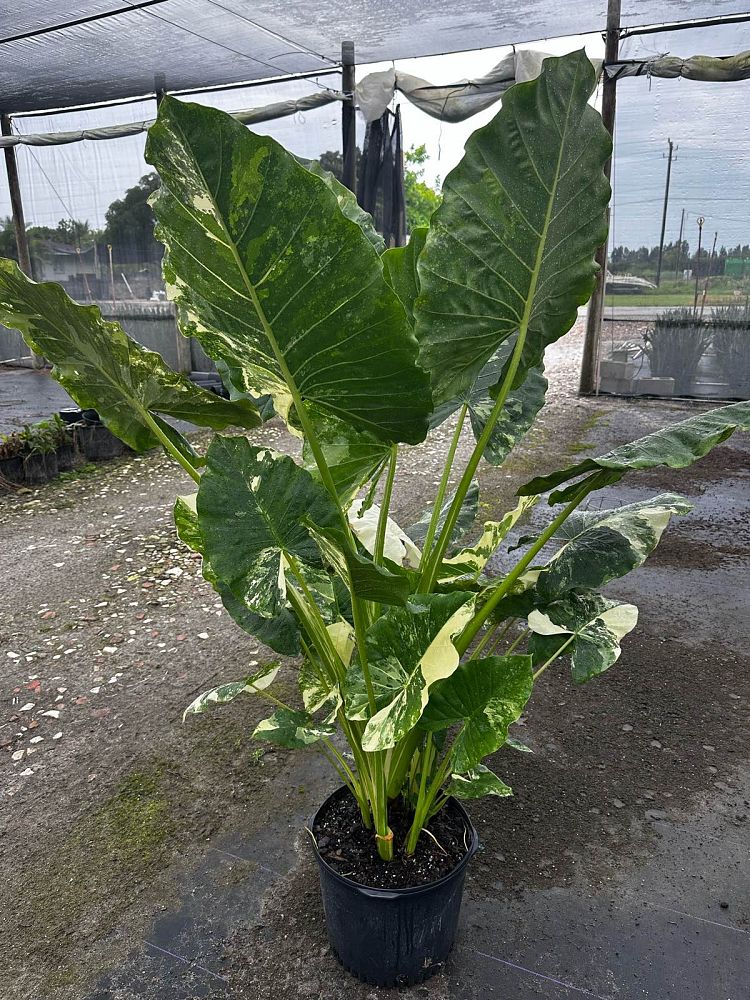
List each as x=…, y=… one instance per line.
x=97, y=443
x=393, y=937
x=67, y=456
x=11, y=472
x=39, y=468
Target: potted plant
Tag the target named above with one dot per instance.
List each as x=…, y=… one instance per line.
x=675, y=345
x=731, y=340
x=12, y=447
x=412, y=663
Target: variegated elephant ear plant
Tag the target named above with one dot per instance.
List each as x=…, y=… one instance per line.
x=406, y=649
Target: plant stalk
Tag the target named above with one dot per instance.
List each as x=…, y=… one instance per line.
x=169, y=446
x=443, y=486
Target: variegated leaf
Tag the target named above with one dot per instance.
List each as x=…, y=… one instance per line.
x=595, y=624
x=224, y=693
x=608, y=544
x=295, y=730
x=352, y=455
x=279, y=633
x=318, y=693
x=471, y=561
x=466, y=517
x=484, y=697
x=398, y=548
x=251, y=504
x=359, y=573
x=408, y=651
x=477, y=783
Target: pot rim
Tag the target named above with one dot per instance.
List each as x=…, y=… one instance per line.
x=396, y=893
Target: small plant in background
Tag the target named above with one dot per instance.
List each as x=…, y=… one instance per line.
x=675, y=345
x=731, y=341
x=45, y=436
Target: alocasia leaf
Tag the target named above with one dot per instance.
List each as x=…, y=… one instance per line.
x=271, y=277
x=400, y=264
x=398, y=547
x=295, y=730
x=353, y=456
x=101, y=367
x=225, y=693
x=675, y=446
x=484, y=697
x=518, y=413
x=280, y=633
x=587, y=625
x=471, y=561
x=251, y=504
x=475, y=784
x=318, y=693
x=604, y=545
x=511, y=247
x=408, y=651
x=348, y=204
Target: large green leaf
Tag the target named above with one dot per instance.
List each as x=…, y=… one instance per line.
x=251, y=504
x=588, y=625
x=607, y=544
x=295, y=730
x=224, y=693
x=408, y=651
x=279, y=633
x=271, y=276
x=477, y=783
x=348, y=204
x=675, y=446
x=102, y=368
x=519, y=411
x=400, y=264
x=511, y=247
x=484, y=697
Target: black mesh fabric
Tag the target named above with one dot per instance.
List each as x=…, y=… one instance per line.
x=380, y=187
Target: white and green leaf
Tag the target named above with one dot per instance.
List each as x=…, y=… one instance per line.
x=477, y=783
x=398, y=548
x=470, y=562
x=102, y=368
x=224, y=693
x=584, y=625
x=292, y=729
x=273, y=278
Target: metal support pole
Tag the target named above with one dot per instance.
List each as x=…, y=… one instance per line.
x=664, y=213
x=679, y=247
x=16, y=206
x=348, y=116
x=701, y=220
x=589, y=367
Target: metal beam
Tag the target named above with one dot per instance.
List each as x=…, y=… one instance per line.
x=589, y=363
x=348, y=116
x=16, y=206
x=698, y=22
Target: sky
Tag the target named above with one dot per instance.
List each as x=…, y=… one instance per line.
x=708, y=122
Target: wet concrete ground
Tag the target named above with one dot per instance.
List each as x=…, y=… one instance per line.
x=145, y=859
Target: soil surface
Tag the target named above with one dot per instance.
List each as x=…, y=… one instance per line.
x=144, y=858
x=345, y=844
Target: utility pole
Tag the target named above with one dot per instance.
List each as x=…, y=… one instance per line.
x=700, y=220
x=679, y=247
x=348, y=116
x=664, y=213
x=589, y=362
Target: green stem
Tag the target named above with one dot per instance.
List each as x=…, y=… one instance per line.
x=385, y=507
x=169, y=446
x=554, y=656
x=443, y=487
x=482, y=643
x=517, y=641
x=463, y=641
x=499, y=636
x=436, y=556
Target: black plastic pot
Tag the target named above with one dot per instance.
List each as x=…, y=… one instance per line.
x=70, y=414
x=393, y=937
x=11, y=472
x=97, y=443
x=39, y=468
x=67, y=457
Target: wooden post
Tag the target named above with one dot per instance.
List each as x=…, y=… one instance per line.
x=348, y=116
x=16, y=206
x=589, y=363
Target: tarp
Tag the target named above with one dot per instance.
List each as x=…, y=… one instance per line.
x=60, y=53
x=712, y=69
x=253, y=116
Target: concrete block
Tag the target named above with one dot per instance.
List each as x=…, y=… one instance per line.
x=654, y=387
x=617, y=369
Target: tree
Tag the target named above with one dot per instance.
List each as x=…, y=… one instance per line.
x=421, y=199
x=130, y=223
